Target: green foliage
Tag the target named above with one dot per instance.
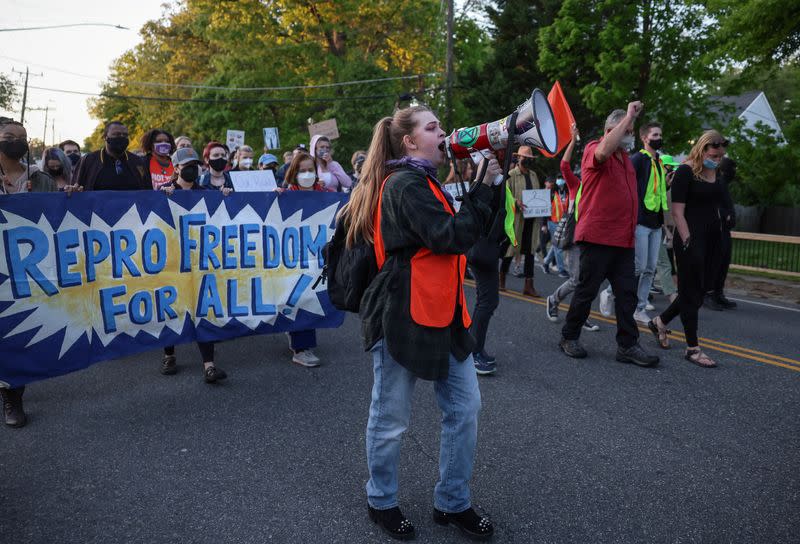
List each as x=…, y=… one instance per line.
x=767, y=168
x=615, y=51
x=8, y=92
x=757, y=32
x=251, y=43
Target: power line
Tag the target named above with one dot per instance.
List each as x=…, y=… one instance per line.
x=223, y=88
x=226, y=100
x=62, y=26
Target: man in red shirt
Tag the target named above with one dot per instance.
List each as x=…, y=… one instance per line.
x=607, y=211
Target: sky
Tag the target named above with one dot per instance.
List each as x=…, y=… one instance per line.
x=87, y=52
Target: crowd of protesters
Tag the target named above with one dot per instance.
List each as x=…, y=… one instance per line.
x=640, y=220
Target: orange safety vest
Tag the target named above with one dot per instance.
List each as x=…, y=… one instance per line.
x=437, y=280
x=558, y=208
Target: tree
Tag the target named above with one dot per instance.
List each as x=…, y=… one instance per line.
x=757, y=32
x=8, y=92
x=614, y=51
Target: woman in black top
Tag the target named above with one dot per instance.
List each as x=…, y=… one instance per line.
x=696, y=199
x=413, y=316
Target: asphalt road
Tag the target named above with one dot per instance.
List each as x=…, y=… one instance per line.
x=569, y=451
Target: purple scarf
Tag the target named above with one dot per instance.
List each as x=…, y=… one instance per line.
x=423, y=165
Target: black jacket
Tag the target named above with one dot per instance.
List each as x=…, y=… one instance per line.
x=91, y=165
x=413, y=218
x=641, y=165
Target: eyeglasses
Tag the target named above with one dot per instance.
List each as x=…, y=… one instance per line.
x=717, y=145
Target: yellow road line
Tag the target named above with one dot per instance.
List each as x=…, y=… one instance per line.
x=716, y=345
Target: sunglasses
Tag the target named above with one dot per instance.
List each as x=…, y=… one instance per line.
x=717, y=145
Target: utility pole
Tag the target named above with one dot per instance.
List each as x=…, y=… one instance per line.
x=44, y=134
x=25, y=92
x=448, y=90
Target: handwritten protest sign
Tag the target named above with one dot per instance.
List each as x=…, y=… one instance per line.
x=253, y=181
x=537, y=203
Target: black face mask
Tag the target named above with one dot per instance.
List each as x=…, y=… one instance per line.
x=74, y=158
x=14, y=149
x=218, y=164
x=55, y=172
x=190, y=173
x=656, y=144
x=118, y=144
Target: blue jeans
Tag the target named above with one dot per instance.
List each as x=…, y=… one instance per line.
x=459, y=399
x=554, y=252
x=648, y=242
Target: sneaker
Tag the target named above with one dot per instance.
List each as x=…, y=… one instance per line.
x=482, y=366
x=545, y=268
x=475, y=526
x=573, y=348
x=606, y=303
x=636, y=355
x=213, y=374
x=640, y=316
x=590, y=326
x=649, y=307
x=169, y=365
x=305, y=358
x=552, y=309
x=518, y=273
x=488, y=358
x=563, y=274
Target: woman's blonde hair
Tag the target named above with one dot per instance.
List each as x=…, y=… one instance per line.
x=386, y=144
x=695, y=157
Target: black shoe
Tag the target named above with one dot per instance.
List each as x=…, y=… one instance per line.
x=12, y=407
x=711, y=303
x=482, y=366
x=636, y=355
x=471, y=524
x=212, y=374
x=573, y=348
x=169, y=365
x=393, y=522
x=723, y=301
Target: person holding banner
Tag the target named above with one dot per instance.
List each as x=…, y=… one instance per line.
x=215, y=155
x=158, y=145
x=414, y=316
x=57, y=166
x=187, y=168
x=330, y=172
x=17, y=176
x=112, y=168
x=302, y=176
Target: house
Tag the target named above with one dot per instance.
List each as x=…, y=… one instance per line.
x=751, y=107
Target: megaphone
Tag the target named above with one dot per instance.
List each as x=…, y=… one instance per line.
x=535, y=126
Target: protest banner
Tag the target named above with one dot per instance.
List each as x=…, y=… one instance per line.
x=271, y=138
x=537, y=203
x=103, y=275
x=253, y=181
x=327, y=128
x=235, y=139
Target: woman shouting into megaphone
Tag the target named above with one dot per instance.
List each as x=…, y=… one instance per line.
x=414, y=315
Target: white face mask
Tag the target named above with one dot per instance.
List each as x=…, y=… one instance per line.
x=306, y=179
x=627, y=142
x=246, y=163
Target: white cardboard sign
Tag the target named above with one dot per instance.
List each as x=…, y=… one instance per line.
x=537, y=203
x=250, y=181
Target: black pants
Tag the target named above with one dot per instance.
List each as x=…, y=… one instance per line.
x=206, y=351
x=721, y=263
x=487, y=286
x=695, y=273
x=505, y=264
x=598, y=263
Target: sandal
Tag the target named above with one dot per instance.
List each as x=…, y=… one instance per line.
x=696, y=356
x=661, y=333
